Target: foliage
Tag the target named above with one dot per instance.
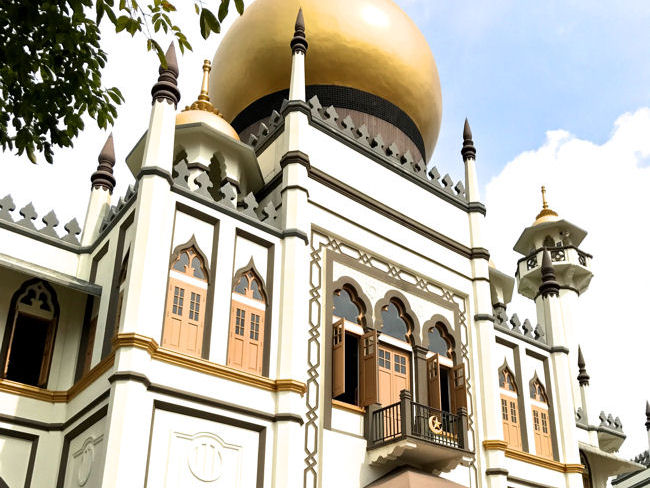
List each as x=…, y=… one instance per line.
x=51, y=60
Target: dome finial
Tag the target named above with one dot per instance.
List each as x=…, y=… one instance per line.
x=103, y=175
x=166, y=88
x=546, y=214
x=203, y=101
x=299, y=42
x=583, y=377
x=468, y=150
x=647, y=415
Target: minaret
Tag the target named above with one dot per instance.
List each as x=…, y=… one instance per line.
x=294, y=313
x=103, y=183
x=492, y=427
x=146, y=282
x=549, y=310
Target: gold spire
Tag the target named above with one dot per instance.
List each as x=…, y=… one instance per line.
x=546, y=215
x=203, y=102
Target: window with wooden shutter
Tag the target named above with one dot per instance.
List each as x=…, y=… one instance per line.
x=509, y=408
x=338, y=358
x=186, y=300
x=368, y=369
x=541, y=424
x=247, y=316
x=459, y=386
x=433, y=381
x=31, y=334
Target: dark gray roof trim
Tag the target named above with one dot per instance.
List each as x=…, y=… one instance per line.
x=26, y=225
x=516, y=328
x=115, y=212
x=388, y=156
x=52, y=276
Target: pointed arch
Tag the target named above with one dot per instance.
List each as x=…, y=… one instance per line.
x=510, y=415
x=186, y=303
x=30, y=332
x=541, y=418
x=248, y=310
x=358, y=298
x=249, y=274
x=190, y=251
x=392, y=300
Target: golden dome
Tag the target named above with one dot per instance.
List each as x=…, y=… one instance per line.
x=369, y=45
x=546, y=214
x=202, y=110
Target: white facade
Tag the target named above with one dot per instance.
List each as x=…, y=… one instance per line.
x=309, y=210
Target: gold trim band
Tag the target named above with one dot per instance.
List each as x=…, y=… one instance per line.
x=526, y=457
x=203, y=366
x=58, y=396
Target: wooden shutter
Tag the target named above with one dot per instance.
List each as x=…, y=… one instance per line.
x=433, y=381
x=368, y=368
x=338, y=358
x=459, y=387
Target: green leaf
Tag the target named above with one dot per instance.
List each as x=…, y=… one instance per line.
x=122, y=23
x=211, y=20
x=239, y=4
x=223, y=9
x=196, y=8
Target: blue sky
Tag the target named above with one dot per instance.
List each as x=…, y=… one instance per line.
x=520, y=68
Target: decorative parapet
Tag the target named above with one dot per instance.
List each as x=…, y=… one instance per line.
x=609, y=422
x=29, y=215
x=610, y=433
x=360, y=138
x=115, y=212
x=515, y=327
x=198, y=182
x=643, y=458
x=560, y=255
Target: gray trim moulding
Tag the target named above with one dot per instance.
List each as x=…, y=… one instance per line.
x=52, y=276
x=202, y=400
x=496, y=472
x=300, y=106
x=32, y=453
x=157, y=172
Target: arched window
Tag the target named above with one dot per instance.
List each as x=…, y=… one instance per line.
x=447, y=389
x=31, y=329
x=350, y=309
x=395, y=320
x=186, y=302
x=509, y=408
x=541, y=422
x=548, y=242
x=247, y=316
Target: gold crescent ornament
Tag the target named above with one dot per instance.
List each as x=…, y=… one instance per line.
x=434, y=425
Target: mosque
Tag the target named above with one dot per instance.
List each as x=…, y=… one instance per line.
x=290, y=296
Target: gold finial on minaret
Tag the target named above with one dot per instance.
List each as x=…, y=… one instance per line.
x=203, y=102
x=546, y=215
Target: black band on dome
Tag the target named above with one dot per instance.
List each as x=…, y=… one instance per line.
x=340, y=97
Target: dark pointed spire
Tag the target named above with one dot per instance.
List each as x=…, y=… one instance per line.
x=299, y=42
x=647, y=415
x=468, y=150
x=583, y=377
x=166, y=88
x=549, y=286
x=103, y=175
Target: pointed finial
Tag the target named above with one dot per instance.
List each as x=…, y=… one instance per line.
x=299, y=42
x=647, y=415
x=103, y=175
x=583, y=377
x=546, y=214
x=203, y=102
x=549, y=286
x=468, y=150
x=166, y=88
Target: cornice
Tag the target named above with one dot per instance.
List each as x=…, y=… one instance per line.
x=203, y=366
x=499, y=445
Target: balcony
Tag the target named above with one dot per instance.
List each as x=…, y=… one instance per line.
x=410, y=433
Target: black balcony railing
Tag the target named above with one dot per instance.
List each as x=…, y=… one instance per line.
x=408, y=419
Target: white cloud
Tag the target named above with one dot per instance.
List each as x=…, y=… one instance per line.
x=605, y=189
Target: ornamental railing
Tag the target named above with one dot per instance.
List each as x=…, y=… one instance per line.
x=409, y=419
